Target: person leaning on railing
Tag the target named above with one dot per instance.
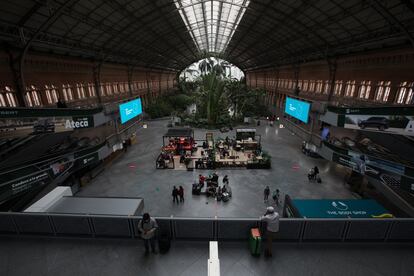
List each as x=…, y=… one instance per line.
x=271, y=217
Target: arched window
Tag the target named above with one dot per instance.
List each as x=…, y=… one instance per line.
x=410, y=96
x=48, y=95
x=54, y=93
x=32, y=96
x=305, y=85
x=326, y=87
x=338, y=87
x=10, y=97
x=405, y=93
x=91, y=90
x=311, y=86
x=350, y=88
x=115, y=86
x=383, y=91
x=364, y=89
x=2, y=100
x=318, y=88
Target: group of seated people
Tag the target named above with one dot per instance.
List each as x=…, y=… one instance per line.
x=163, y=159
x=180, y=145
x=213, y=188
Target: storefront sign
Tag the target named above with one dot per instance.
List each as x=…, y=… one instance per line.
x=79, y=122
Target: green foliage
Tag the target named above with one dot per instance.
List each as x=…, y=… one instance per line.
x=168, y=104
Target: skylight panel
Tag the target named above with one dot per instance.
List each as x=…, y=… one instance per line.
x=211, y=23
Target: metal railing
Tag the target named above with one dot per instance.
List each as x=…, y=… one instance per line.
x=291, y=229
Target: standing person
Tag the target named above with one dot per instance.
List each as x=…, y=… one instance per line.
x=147, y=227
x=272, y=219
x=266, y=193
x=316, y=171
x=175, y=194
x=225, y=180
x=181, y=193
x=276, y=197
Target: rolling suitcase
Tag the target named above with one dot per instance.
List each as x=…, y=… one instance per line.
x=225, y=197
x=164, y=244
x=255, y=241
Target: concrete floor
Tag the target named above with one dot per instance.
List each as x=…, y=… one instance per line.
x=49, y=256
x=134, y=175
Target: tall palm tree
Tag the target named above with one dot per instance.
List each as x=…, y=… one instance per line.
x=213, y=90
x=206, y=65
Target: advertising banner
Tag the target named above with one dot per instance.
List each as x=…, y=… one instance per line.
x=339, y=208
x=23, y=184
x=392, y=124
x=297, y=109
x=130, y=110
x=27, y=126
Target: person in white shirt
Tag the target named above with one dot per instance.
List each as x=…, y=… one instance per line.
x=147, y=227
x=272, y=219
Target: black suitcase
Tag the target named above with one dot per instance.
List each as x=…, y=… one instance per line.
x=164, y=244
x=225, y=197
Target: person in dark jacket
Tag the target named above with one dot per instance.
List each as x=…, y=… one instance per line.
x=181, y=193
x=175, y=194
x=266, y=193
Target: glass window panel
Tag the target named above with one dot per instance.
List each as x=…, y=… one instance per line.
x=211, y=23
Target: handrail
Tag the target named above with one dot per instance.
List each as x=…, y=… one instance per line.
x=291, y=229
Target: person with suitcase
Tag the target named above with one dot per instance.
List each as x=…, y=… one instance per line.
x=147, y=227
x=271, y=217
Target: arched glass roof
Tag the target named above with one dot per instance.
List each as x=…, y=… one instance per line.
x=211, y=23
x=170, y=34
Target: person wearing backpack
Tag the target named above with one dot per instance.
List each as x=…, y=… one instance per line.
x=147, y=227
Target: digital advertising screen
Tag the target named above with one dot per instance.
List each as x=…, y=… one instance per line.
x=130, y=110
x=297, y=109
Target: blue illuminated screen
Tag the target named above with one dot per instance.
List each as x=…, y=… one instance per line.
x=130, y=110
x=297, y=109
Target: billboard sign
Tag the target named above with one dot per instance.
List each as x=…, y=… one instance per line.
x=297, y=109
x=130, y=110
x=392, y=124
x=339, y=208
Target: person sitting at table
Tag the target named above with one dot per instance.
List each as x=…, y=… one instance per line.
x=215, y=177
x=219, y=193
x=211, y=191
x=201, y=179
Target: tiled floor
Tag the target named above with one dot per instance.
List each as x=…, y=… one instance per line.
x=134, y=174
x=48, y=256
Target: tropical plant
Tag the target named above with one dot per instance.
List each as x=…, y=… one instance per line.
x=206, y=65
